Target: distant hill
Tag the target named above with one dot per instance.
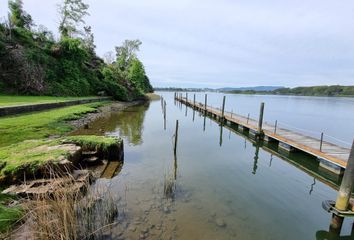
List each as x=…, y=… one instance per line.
x=257, y=88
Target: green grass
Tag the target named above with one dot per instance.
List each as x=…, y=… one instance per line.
x=31, y=153
x=8, y=215
x=13, y=100
x=40, y=125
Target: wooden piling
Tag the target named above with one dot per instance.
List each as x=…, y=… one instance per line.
x=223, y=108
x=344, y=192
x=275, y=126
x=176, y=138
x=248, y=118
x=194, y=101
x=321, y=142
x=205, y=103
x=260, y=121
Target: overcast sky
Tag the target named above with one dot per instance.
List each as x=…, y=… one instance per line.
x=224, y=43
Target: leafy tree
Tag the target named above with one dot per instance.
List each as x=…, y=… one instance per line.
x=89, y=40
x=72, y=13
x=126, y=53
x=18, y=17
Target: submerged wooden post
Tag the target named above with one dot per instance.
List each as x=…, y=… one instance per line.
x=344, y=193
x=223, y=108
x=260, y=121
x=176, y=138
x=205, y=103
x=321, y=142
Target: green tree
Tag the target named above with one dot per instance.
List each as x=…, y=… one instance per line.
x=72, y=13
x=18, y=17
x=126, y=53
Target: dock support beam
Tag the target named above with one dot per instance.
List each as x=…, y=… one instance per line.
x=260, y=121
x=223, y=108
x=344, y=192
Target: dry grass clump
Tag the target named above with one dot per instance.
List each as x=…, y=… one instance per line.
x=70, y=214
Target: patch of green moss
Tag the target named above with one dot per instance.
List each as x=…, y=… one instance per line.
x=40, y=125
x=31, y=154
x=92, y=141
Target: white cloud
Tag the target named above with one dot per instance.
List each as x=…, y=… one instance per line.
x=225, y=43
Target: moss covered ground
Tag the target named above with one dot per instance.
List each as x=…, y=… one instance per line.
x=39, y=125
x=14, y=100
x=24, y=142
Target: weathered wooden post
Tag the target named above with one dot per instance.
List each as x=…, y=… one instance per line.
x=205, y=103
x=186, y=97
x=321, y=142
x=248, y=118
x=176, y=138
x=194, y=101
x=223, y=109
x=275, y=126
x=260, y=121
x=344, y=193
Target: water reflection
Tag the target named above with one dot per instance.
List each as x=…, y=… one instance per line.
x=127, y=123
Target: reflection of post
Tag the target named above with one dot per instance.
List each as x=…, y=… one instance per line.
x=193, y=114
x=255, y=160
x=344, y=193
x=176, y=138
x=313, y=184
x=175, y=167
x=271, y=160
x=186, y=110
x=220, y=141
x=204, y=123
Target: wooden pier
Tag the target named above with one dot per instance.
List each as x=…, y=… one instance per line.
x=330, y=155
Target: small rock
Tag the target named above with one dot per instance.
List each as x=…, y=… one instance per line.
x=166, y=210
x=132, y=229
x=145, y=230
x=220, y=223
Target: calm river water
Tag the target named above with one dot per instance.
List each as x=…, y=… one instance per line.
x=222, y=187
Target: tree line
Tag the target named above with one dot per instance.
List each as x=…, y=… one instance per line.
x=34, y=62
x=331, y=91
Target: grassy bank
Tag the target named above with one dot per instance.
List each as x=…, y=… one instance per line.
x=40, y=125
x=14, y=100
x=24, y=145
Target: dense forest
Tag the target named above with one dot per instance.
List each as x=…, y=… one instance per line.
x=34, y=62
x=334, y=90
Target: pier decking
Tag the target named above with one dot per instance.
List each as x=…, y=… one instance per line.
x=331, y=156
